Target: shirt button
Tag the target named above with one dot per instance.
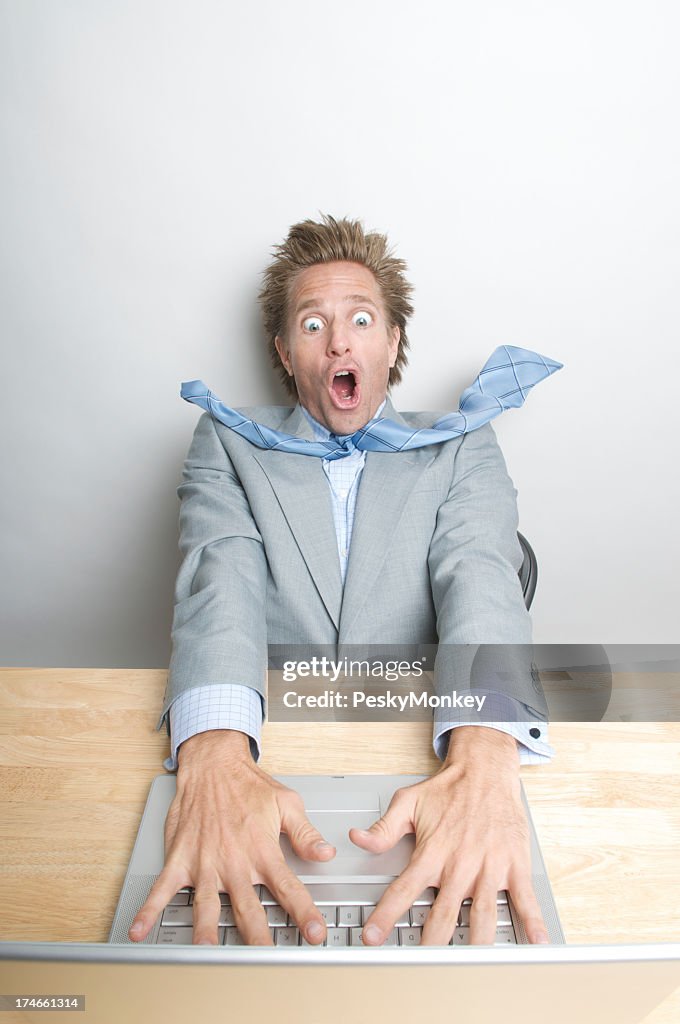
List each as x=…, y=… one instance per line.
x=535, y=733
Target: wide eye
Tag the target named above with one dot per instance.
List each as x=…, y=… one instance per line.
x=313, y=324
x=362, y=318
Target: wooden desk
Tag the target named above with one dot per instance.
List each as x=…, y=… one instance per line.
x=78, y=752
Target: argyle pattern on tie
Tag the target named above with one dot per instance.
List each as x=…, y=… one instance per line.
x=503, y=383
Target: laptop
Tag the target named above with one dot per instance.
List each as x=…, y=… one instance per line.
x=175, y=981
x=345, y=888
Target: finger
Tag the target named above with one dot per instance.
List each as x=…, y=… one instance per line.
x=388, y=830
x=443, y=917
x=394, y=902
x=524, y=899
x=483, y=915
x=206, y=913
x=294, y=897
x=306, y=840
x=249, y=914
x=169, y=882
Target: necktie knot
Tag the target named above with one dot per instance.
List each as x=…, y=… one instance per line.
x=344, y=441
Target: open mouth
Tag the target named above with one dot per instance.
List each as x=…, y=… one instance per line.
x=345, y=389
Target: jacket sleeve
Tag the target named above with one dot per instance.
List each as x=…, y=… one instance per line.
x=483, y=626
x=219, y=632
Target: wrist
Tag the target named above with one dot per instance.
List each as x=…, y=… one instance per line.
x=477, y=746
x=215, y=745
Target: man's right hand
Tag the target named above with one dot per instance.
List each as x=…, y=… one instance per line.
x=222, y=835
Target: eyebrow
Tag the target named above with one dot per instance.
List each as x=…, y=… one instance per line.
x=310, y=303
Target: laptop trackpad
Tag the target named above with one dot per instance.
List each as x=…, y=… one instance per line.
x=334, y=826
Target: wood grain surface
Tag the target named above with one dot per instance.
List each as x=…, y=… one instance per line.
x=78, y=751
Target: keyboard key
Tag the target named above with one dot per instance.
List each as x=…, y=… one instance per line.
x=461, y=937
x=286, y=936
x=174, y=915
x=180, y=899
x=505, y=935
x=419, y=915
x=183, y=936
x=426, y=898
x=391, y=940
x=366, y=912
x=227, y=916
x=175, y=936
x=502, y=915
x=276, y=916
x=349, y=917
x=409, y=936
x=233, y=937
x=501, y=897
x=338, y=937
x=329, y=914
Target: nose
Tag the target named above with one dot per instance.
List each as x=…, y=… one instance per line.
x=339, y=340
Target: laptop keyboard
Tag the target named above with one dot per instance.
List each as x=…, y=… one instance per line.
x=345, y=909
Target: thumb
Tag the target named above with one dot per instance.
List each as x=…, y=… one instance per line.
x=306, y=840
x=386, y=831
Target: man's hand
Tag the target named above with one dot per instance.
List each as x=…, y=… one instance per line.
x=222, y=835
x=472, y=840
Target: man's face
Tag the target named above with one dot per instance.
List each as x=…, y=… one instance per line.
x=338, y=346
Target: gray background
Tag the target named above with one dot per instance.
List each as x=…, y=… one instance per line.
x=524, y=159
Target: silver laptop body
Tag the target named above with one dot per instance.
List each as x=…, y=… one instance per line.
x=353, y=878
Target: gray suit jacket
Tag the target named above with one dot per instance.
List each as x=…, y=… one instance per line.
x=434, y=556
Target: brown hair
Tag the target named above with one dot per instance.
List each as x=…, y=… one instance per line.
x=333, y=240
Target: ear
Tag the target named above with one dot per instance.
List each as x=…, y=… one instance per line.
x=284, y=354
x=394, y=345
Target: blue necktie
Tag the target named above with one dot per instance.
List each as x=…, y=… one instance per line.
x=503, y=383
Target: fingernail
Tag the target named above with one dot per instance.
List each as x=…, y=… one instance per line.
x=363, y=832
x=372, y=934
x=137, y=927
x=542, y=939
x=323, y=845
x=314, y=930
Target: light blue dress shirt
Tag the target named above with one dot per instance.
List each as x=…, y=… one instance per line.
x=228, y=706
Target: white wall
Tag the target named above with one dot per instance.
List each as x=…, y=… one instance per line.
x=523, y=157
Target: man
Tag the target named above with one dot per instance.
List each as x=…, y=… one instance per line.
x=265, y=536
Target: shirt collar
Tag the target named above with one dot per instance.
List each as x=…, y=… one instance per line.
x=322, y=433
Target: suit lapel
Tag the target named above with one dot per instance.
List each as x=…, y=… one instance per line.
x=302, y=490
x=386, y=482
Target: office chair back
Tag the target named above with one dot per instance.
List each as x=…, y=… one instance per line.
x=528, y=574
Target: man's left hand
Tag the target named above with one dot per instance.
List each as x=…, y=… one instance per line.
x=472, y=840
